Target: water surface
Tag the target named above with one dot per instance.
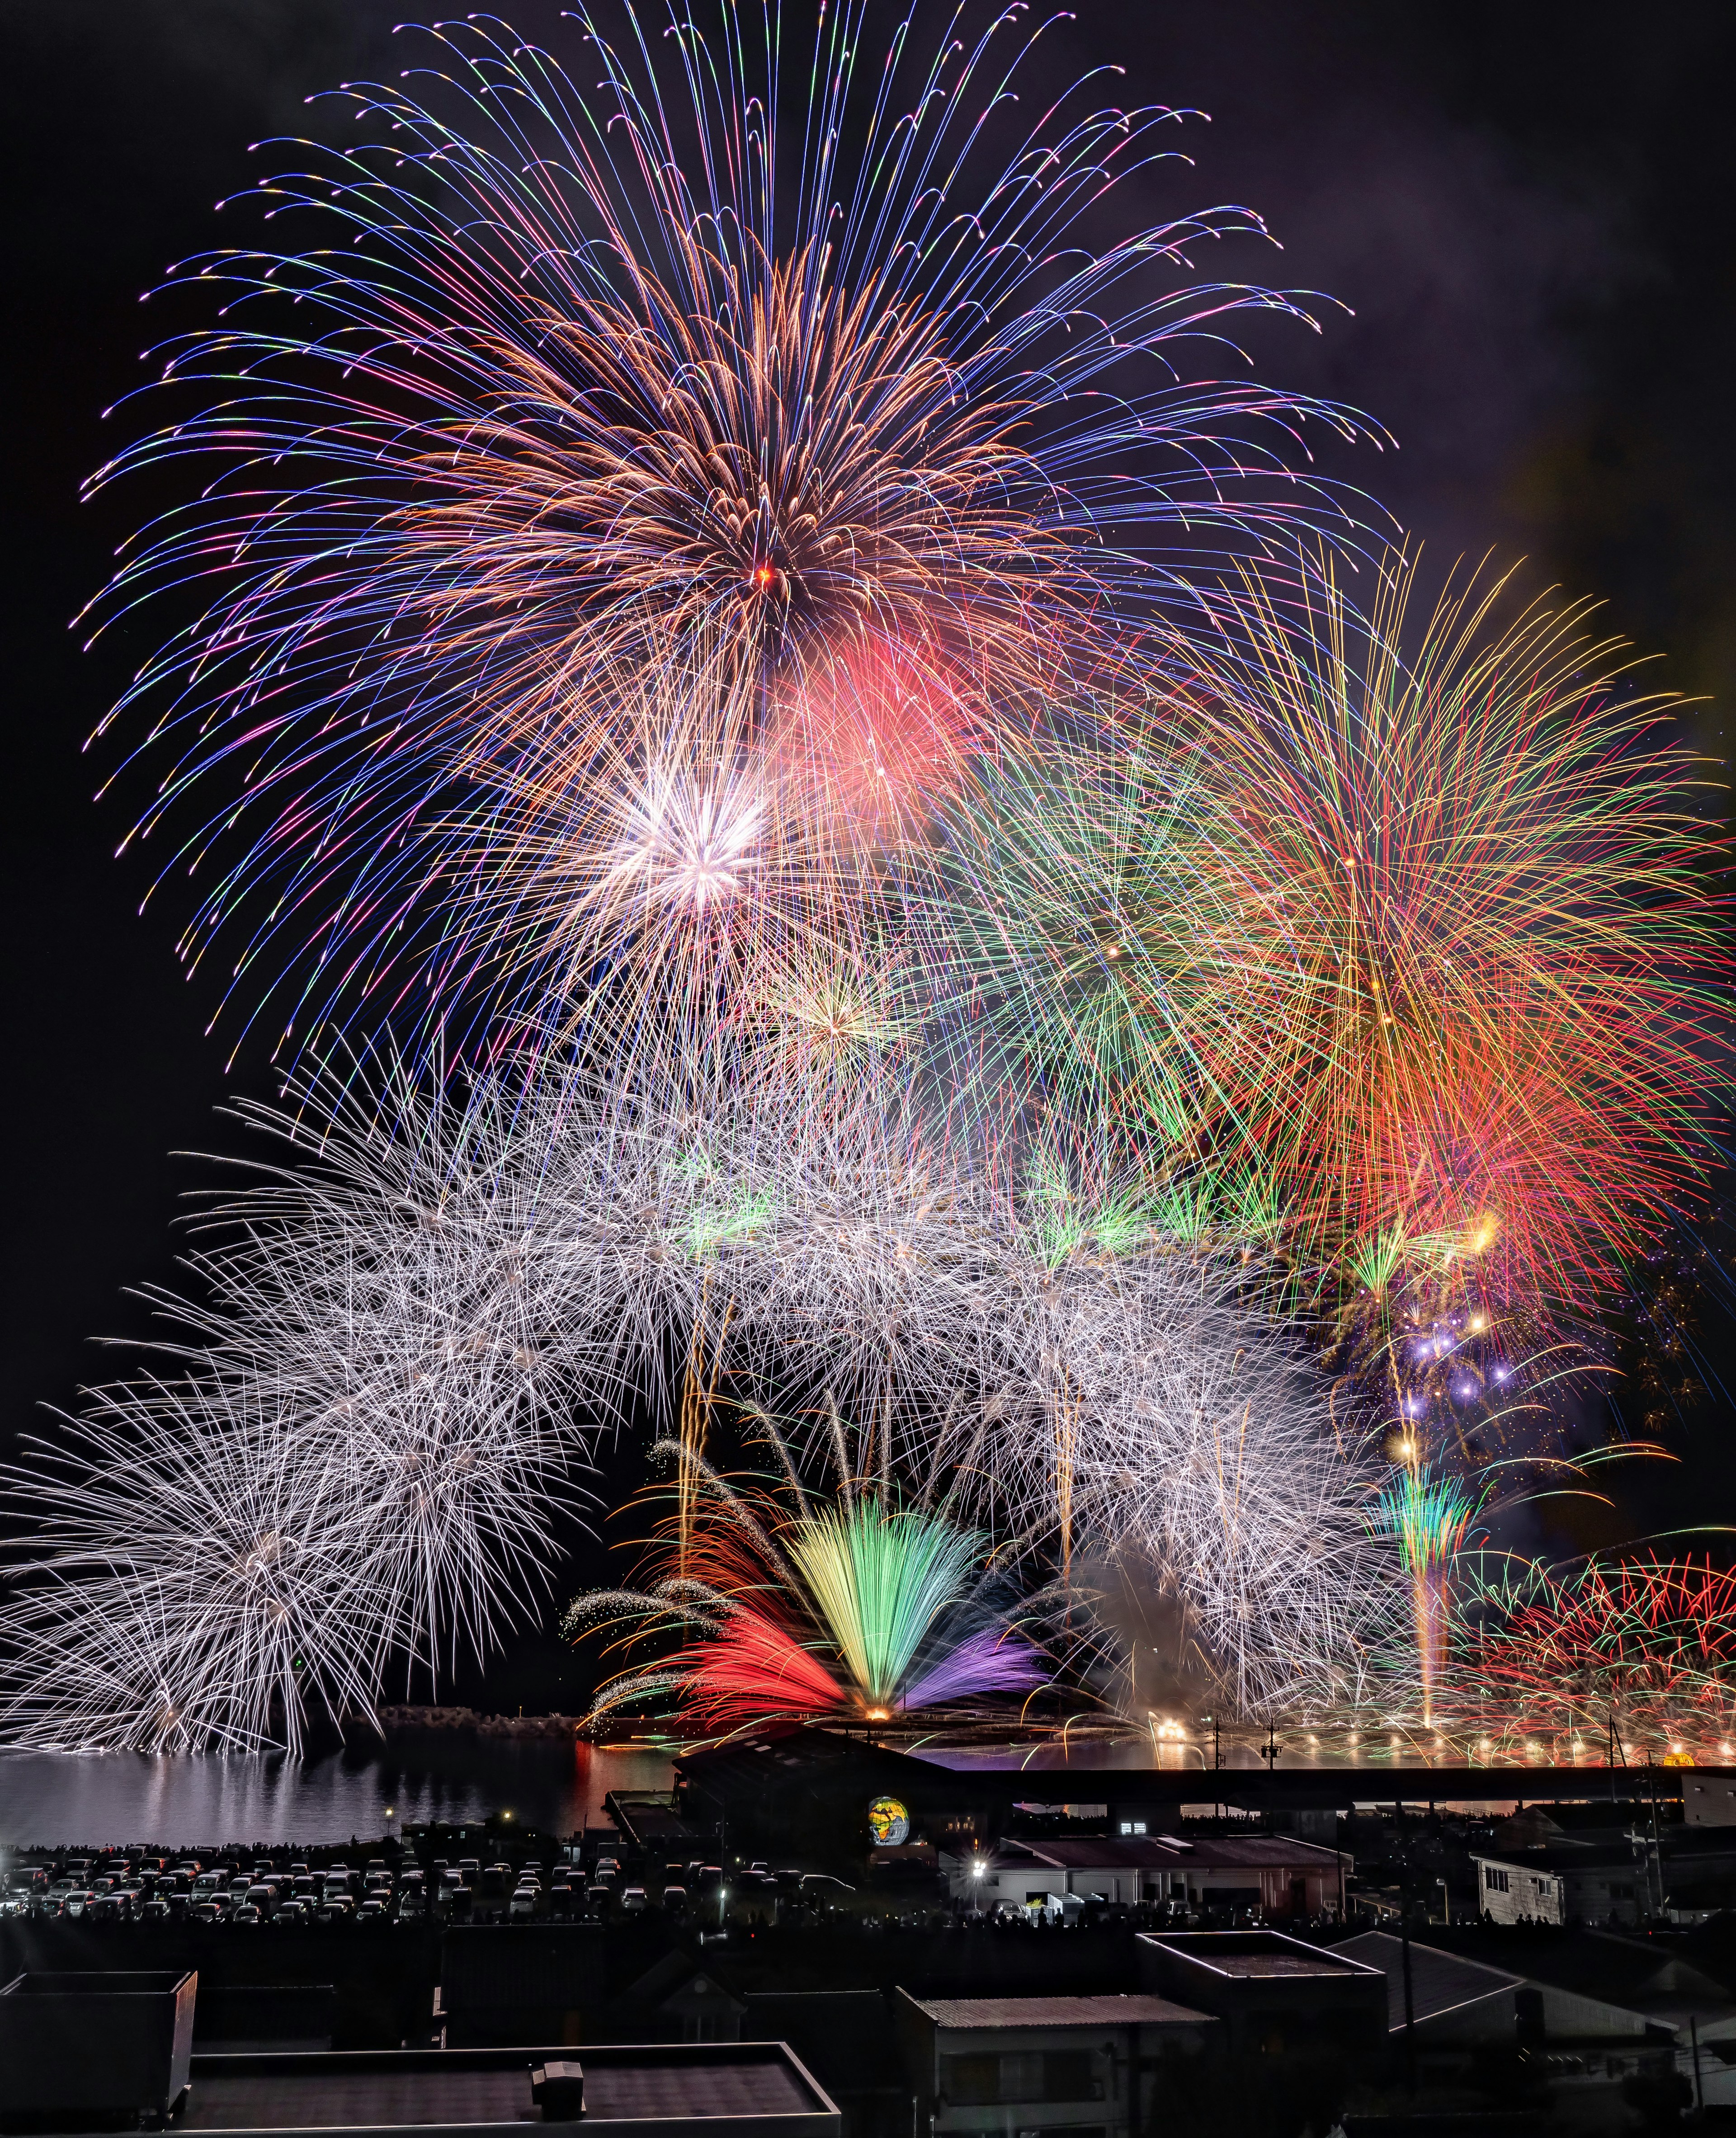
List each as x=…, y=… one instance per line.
x=182, y=1799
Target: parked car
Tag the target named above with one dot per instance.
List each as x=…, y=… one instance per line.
x=372, y=1911
x=633, y=1900
x=156, y=1910
x=291, y=1911
x=675, y=1898
x=247, y=1912
x=336, y=1908
x=523, y=1903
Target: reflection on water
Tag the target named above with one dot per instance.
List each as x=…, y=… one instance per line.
x=182, y=1799
x=185, y=1800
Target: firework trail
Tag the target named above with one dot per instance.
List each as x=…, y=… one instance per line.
x=816, y=1601
x=1428, y=1515
x=193, y=1580
x=824, y=385
x=438, y=1306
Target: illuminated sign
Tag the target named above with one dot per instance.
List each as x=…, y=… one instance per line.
x=888, y=1822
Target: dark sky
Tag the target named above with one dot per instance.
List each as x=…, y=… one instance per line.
x=1527, y=206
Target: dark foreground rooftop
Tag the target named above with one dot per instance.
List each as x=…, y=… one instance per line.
x=725, y=2089
x=1099, y=2012
x=1249, y=1954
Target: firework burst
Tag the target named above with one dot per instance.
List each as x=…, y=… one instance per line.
x=1635, y=1654
x=566, y=382
x=828, y=1602
x=1472, y=1015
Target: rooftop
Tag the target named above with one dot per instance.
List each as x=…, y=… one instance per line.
x=1168, y=1852
x=653, y=2086
x=956, y=2012
x=1247, y=1955
x=1440, y=1982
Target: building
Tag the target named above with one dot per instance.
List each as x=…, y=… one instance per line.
x=1272, y=1875
x=95, y=2047
x=845, y=2038
x=1454, y=2001
x=660, y=2089
x=1043, y=2066
x=1709, y=1797
x=1569, y=1883
x=1275, y=1995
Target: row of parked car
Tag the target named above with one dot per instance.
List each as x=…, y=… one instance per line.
x=160, y=1889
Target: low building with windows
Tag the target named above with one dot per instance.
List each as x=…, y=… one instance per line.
x=1043, y=2066
x=1573, y=1883
x=1273, y=1876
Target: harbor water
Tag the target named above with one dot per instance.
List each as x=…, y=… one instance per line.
x=117, y=1799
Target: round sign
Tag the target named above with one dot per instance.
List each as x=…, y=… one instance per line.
x=888, y=1822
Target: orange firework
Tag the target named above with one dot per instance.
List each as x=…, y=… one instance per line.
x=1468, y=963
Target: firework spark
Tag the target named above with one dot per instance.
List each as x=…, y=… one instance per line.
x=815, y=1602
x=1475, y=1000
x=568, y=381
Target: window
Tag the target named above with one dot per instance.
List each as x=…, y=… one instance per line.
x=978, y=2081
x=1132, y=1825
x=1494, y=1878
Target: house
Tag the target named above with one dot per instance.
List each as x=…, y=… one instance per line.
x=1275, y=1994
x=1454, y=2000
x=1709, y=1797
x=1606, y=1876
x=677, y=2000
x=844, y=2037
x=1067, y=2067
x=1567, y=1882
x=1273, y=1874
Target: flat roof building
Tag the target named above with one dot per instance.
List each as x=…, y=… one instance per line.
x=658, y=2089
x=1274, y=1993
x=1069, y=2067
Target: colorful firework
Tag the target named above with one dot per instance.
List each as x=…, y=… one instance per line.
x=1471, y=1030
x=1427, y=1516
x=1633, y=1657
x=567, y=383
x=799, y=1603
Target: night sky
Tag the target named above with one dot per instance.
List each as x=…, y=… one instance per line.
x=1528, y=208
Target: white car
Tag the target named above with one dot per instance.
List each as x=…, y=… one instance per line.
x=523, y=1902
x=633, y=1900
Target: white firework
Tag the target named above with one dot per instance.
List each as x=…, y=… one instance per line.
x=192, y=1581
x=424, y=1321
x=353, y=1464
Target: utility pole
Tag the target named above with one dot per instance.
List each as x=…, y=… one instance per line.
x=1404, y=1946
